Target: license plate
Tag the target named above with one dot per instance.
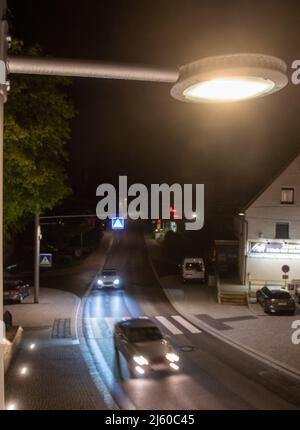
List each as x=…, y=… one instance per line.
x=282, y=304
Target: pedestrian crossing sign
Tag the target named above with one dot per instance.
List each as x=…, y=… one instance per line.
x=118, y=223
x=45, y=260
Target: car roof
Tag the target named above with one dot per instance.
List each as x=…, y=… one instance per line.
x=138, y=323
x=277, y=289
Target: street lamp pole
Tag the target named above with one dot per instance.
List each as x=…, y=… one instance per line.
x=3, y=52
x=37, y=240
x=2, y=340
x=90, y=69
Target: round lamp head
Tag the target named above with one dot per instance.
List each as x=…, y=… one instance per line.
x=230, y=78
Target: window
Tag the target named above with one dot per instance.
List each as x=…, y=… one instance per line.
x=287, y=196
x=282, y=230
x=197, y=267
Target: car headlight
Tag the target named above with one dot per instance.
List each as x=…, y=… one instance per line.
x=142, y=361
x=116, y=282
x=171, y=356
x=99, y=282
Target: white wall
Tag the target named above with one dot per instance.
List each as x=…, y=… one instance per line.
x=270, y=269
x=262, y=216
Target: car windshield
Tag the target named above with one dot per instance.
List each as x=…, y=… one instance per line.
x=194, y=266
x=280, y=295
x=109, y=273
x=143, y=334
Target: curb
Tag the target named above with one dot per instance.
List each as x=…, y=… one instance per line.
x=278, y=365
x=10, y=348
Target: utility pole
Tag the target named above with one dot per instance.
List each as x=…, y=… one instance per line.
x=3, y=60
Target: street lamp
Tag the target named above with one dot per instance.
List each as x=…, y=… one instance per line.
x=229, y=78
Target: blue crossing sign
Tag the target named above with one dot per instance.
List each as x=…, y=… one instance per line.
x=45, y=260
x=117, y=223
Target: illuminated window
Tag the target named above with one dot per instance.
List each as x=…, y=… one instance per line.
x=282, y=230
x=287, y=196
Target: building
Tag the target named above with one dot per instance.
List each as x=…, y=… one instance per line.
x=269, y=230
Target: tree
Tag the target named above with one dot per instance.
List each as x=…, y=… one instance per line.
x=36, y=130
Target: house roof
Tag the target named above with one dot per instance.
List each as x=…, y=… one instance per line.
x=270, y=182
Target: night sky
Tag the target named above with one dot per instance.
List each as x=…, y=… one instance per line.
x=137, y=128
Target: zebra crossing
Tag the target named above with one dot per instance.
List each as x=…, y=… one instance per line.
x=102, y=328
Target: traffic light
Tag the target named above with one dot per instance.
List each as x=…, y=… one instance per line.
x=4, y=45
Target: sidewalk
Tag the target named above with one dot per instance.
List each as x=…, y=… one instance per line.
x=56, y=376
x=245, y=327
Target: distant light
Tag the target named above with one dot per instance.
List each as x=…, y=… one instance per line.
x=11, y=407
x=32, y=346
x=241, y=214
x=24, y=370
x=140, y=370
x=230, y=78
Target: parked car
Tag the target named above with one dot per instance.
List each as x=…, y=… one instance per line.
x=143, y=346
x=275, y=299
x=193, y=270
x=15, y=291
x=108, y=278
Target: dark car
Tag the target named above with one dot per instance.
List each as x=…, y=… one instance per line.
x=143, y=346
x=276, y=300
x=15, y=291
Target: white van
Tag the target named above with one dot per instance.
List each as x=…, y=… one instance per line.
x=193, y=269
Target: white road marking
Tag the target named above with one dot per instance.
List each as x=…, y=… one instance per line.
x=171, y=327
x=111, y=323
x=186, y=324
x=96, y=329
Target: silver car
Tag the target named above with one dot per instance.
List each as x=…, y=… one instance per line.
x=108, y=278
x=143, y=346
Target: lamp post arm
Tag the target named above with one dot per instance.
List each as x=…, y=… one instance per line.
x=90, y=69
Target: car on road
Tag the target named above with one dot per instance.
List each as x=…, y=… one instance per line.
x=275, y=299
x=108, y=278
x=15, y=291
x=144, y=347
x=193, y=270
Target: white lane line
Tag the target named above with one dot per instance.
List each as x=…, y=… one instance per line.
x=171, y=327
x=186, y=324
x=96, y=329
x=111, y=323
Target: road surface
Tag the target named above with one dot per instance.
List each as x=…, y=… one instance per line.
x=213, y=374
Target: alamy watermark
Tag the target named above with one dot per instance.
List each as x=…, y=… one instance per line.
x=139, y=202
x=296, y=333
x=296, y=74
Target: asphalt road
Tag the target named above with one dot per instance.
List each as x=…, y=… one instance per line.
x=213, y=375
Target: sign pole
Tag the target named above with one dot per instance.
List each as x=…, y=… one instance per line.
x=37, y=238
